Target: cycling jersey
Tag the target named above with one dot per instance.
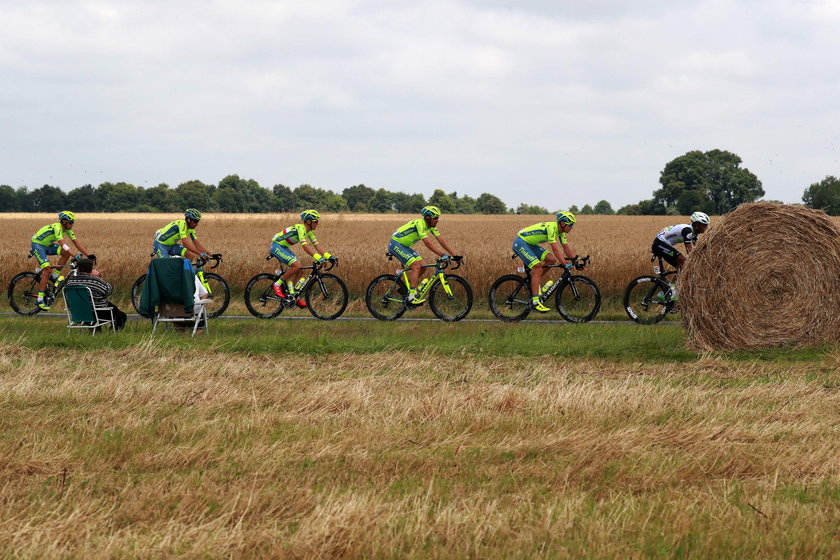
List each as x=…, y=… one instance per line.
x=413, y=231
x=295, y=234
x=174, y=232
x=52, y=233
x=680, y=233
x=542, y=233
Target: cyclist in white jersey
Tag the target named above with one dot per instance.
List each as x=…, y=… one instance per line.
x=668, y=237
x=664, y=245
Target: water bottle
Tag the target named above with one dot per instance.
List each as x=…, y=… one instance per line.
x=299, y=284
x=544, y=289
x=422, y=285
x=277, y=272
x=656, y=269
x=520, y=269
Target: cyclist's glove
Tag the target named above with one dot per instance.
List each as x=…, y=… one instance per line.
x=445, y=258
x=204, y=255
x=333, y=260
x=322, y=260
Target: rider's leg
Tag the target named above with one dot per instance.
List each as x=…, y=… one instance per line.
x=291, y=275
x=414, y=271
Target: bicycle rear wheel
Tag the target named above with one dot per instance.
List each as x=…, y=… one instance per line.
x=385, y=297
x=510, y=298
x=23, y=293
x=453, y=301
x=260, y=298
x=578, y=299
x=647, y=300
x=136, y=290
x=326, y=297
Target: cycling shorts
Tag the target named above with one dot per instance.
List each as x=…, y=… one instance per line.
x=282, y=254
x=406, y=255
x=41, y=252
x=530, y=254
x=160, y=250
x=666, y=251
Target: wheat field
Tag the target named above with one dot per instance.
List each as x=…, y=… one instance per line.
x=619, y=245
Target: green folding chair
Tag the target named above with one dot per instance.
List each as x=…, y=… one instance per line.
x=84, y=313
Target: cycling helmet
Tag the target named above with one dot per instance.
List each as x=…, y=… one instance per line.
x=192, y=214
x=310, y=215
x=700, y=218
x=430, y=212
x=565, y=217
x=67, y=216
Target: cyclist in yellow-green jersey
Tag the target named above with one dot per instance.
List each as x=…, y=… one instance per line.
x=49, y=240
x=409, y=234
x=281, y=250
x=178, y=238
x=527, y=247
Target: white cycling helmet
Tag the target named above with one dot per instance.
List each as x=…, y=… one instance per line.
x=700, y=218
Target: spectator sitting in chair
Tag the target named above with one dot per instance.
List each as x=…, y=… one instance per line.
x=90, y=278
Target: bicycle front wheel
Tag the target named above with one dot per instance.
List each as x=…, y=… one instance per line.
x=385, y=297
x=578, y=299
x=452, y=300
x=647, y=300
x=326, y=297
x=510, y=298
x=260, y=298
x=23, y=293
x=219, y=295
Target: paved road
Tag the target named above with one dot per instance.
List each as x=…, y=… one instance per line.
x=404, y=318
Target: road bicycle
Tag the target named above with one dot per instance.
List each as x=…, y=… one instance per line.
x=24, y=287
x=217, y=287
x=577, y=298
x=450, y=296
x=647, y=299
x=325, y=294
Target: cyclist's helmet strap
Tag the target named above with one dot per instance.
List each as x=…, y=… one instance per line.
x=66, y=216
x=310, y=215
x=565, y=217
x=430, y=212
x=192, y=214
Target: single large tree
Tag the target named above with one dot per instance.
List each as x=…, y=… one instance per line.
x=712, y=181
x=824, y=195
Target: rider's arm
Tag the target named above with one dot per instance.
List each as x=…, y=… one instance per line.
x=193, y=245
x=79, y=246
x=432, y=248
x=444, y=244
x=558, y=254
x=567, y=249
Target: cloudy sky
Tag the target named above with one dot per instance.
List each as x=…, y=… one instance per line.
x=548, y=102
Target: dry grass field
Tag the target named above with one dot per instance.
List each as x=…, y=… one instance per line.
x=348, y=440
x=619, y=245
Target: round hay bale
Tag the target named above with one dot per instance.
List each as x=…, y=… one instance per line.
x=765, y=275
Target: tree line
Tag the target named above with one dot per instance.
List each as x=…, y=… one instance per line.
x=713, y=182
x=236, y=195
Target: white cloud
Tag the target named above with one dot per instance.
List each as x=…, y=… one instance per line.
x=547, y=102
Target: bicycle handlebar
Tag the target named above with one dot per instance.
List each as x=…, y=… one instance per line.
x=215, y=258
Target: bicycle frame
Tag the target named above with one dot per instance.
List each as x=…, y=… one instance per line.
x=437, y=276
x=315, y=275
x=580, y=263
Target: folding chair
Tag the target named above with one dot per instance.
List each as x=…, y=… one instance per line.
x=82, y=310
x=168, y=294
